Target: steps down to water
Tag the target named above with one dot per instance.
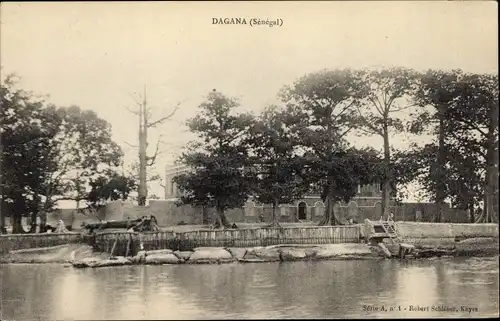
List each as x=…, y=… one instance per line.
x=386, y=230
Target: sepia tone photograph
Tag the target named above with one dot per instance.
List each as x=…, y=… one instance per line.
x=195, y=160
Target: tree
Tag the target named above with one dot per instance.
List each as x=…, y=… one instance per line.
x=464, y=114
x=385, y=95
x=109, y=187
x=322, y=106
x=277, y=167
x=49, y=153
x=81, y=149
x=475, y=120
x=145, y=113
x=220, y=177
x=436, y=95
x=25, y=142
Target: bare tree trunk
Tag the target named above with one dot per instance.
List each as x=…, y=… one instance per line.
x=386, y=186
x=34, y=214
x=204, y=217
x=275, y=222
x=143, y=142
x=329, y=218
x=3, y=230
x=491, y=179
x=472, y=213
x=2, y=210
x=221, y=217
x=17, y=224
x=43, y=216
x=440, y=166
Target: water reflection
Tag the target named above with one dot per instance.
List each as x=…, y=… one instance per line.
x=271, y=290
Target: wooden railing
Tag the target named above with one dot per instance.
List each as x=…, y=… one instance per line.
x=11, y=242
x=121, y=243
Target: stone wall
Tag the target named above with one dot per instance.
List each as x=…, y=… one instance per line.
x=168, y=213
x=446, y=230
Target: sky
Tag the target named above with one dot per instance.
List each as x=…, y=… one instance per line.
x=101, y=55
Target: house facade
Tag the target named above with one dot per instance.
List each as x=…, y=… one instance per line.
x=366, y=195
x=309, y=208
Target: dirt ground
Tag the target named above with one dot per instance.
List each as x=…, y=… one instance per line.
x=189, y=228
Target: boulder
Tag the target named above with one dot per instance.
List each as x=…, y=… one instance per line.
x=140, y=257
x=162, y=258
x=294, y=254
x=86, y=262
x=116, y=261
x=183, y=255
x=164, y=251
x=211, y=255
x=94, y=262
x=262, y=254
x=331, y=251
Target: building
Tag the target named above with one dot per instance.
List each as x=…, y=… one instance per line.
x=171, y=190
x=310, y=207
x=367, y=194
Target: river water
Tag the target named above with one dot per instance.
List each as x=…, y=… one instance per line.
x=325, y=289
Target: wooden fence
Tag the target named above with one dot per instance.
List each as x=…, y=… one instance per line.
x=129, y=243
x=121, y=243
x=11, y=242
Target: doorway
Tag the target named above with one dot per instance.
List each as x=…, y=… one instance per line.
x=302, y=211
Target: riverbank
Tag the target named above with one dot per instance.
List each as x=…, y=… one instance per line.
x=219, y=255
x=83, y=256
x=361, y=241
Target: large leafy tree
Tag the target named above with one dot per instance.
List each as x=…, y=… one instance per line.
x=323, y=106
x=81, y=149
x=475, y=130
x=436, y=95
x=25, y=142
x=220, y=174
x=461, y=109
x=386, y=95
x=276, y=164
x=110, y=186
x=49, y=153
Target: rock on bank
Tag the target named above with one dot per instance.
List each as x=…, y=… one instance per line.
x=219, y=255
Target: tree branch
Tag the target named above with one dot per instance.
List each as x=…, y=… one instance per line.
x=159, y=121
x=133, y=146
x=379, y=109
x=135, y=100
x=152, y=159
x=135, y=112
x=474, y=126
x=402, y=108
x=372, y=129
x=343, y=110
